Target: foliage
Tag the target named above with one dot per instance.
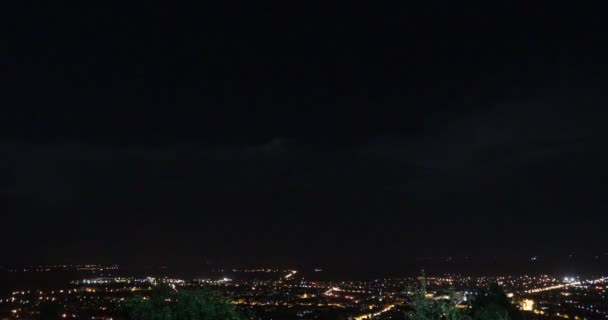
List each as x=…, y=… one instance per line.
x=492, y=303
x=49, y=311
x=165, y=303
x=430, y=309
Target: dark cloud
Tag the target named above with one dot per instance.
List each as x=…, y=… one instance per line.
x=503, y=174
x=300, y=132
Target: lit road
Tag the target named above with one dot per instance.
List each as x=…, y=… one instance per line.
x=330, y=291
x=566, y=285
x=365, y=316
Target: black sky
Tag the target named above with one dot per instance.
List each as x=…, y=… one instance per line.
x=297, y=133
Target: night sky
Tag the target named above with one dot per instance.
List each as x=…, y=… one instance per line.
x=301, y=133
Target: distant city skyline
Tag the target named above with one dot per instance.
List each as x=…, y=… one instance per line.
x=98, y=291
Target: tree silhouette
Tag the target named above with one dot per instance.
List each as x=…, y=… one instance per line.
x=430, y=309
x=165, y=303
x=492, y=303
x=49, y=311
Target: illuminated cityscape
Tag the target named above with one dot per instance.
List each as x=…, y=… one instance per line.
x=275, y=293
x=304, y=160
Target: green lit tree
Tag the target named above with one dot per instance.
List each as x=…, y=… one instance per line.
x=431, y=309
x=490, y=304
x=165, y=303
